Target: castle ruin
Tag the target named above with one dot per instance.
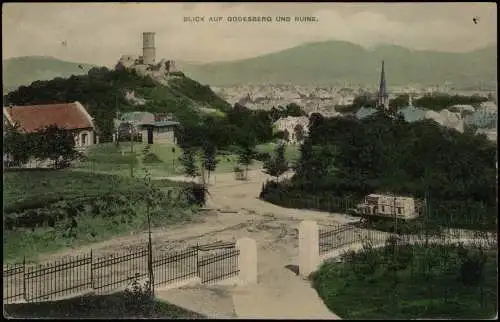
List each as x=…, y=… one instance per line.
x=146, y=64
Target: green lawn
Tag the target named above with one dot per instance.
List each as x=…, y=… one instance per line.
x=104, y=206
x=292, y=152
x=107, y=158
x=427, y=286
x=105, y=306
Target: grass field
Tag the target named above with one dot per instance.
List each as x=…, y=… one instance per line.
x=292, y=152
x=104, y=206
x=421, y=289
x=105, y=306
x=110, y=159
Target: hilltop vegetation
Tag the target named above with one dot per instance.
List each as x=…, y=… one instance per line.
x=338, y=61
x=102, y=91
x=348, y=159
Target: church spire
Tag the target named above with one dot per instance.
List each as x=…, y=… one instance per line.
x=383, y=97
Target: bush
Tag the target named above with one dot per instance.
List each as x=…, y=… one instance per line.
x=196, y=194
x=139, y=297
x=151, y=158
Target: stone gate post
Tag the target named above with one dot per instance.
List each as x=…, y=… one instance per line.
x=308, y=247
x=247, y=261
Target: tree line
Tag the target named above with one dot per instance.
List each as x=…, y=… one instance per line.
x=435, y=102
x=349, y=158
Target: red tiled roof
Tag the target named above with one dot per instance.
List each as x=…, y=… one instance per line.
x=67, y=115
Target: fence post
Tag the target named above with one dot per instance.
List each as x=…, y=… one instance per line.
x=308, y=247
x=24, y=279
x=198, y=259
x=247, y=261
x=91, y=270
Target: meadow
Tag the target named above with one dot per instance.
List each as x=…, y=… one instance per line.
x=46, y=210
x=160, y=160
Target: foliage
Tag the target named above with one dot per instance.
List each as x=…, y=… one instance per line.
x=55, y=144
x=349, y=158
x=50, y=143
x=408, y=282
x=188, y=161
x=209, y=161
x=277, y=165
x=299, y=132
x=17, y=145
x=48, y=210
x=151, y=158
x=102, y=91
x=245, y=157
x=441, y=101
x=139, y=298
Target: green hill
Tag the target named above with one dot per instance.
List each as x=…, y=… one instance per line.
x=25, y=70
x=338, y=62
x=103, y=92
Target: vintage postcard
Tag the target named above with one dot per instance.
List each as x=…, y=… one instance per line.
x=250, y=160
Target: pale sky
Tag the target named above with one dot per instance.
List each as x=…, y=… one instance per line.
x=99, y=33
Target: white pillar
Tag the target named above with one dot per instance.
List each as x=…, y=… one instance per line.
x=247, y=261
x=308, y=247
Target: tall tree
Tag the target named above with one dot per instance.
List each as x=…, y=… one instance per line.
x=56, y=144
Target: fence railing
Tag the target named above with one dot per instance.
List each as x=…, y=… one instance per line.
x=337, y=236
x=87, y=273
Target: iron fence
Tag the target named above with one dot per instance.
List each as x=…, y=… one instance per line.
x=84, y=274
x=337, y=236
x=221, y=265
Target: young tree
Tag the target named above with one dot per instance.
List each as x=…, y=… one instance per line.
x=209, y=161
x=188, y=162
x=277, y=165
x=246, y=153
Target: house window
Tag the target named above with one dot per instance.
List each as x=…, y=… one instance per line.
x=399, y=211
x=383, y=208
x=84, y=139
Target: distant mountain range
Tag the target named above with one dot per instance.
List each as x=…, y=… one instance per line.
x=25, y=70
x=327, y=62
x=340, y=62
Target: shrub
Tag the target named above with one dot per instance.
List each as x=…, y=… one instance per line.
x=196, y=194
x=151, y=158
x=139, y=297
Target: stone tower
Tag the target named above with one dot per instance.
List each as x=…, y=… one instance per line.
x=148, y=48
x=383, y=96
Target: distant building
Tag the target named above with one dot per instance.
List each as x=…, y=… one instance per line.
x=150, y=128
x=72, y=117
x=382, y=205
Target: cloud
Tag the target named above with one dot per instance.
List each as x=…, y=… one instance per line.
x=101, y=33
